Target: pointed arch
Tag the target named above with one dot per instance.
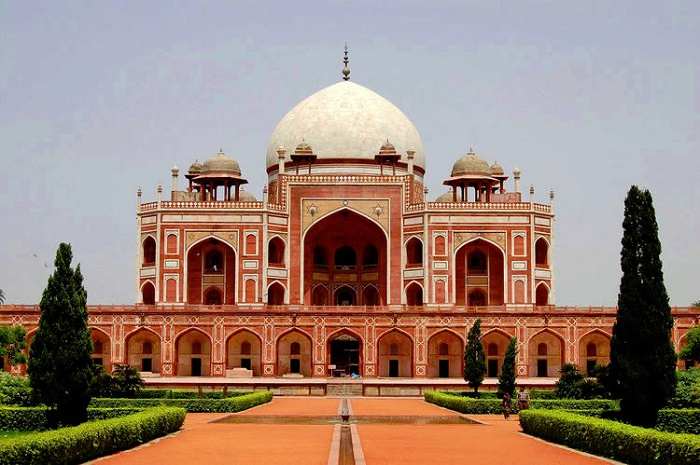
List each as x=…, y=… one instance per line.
x=549, y=364
x=292, y=361
x=414, y=294
x=276, y=293
x=193, y=270
x=148, y=248
x=542, y=252
x=445, y=354
x=414, y=251
x=148, y=293
x=345, y=295
x=319, y=295
x=395, y=354
x=188, y=360
x=497, y=339
x=503, y=260
x=593, y=351
x=276, y=249
x=236, y=354
x=542, y=294
x=136, y=356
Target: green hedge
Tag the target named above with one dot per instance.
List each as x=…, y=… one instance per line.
x=35, y=418
x=176, y=394
x=629, y=444
x=482, y=406
x=230, y=404
x=670, y=420
x=78, y=444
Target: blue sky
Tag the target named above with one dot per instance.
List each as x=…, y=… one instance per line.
x=586, y=98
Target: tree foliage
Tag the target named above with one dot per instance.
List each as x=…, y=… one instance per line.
x=691, y=351
x=124, y=382
x=506, y=380
x=642, y=359
x=474, y=357
x=60, y=366
x=12, y=344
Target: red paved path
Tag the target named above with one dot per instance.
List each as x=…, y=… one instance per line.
x=496, y=442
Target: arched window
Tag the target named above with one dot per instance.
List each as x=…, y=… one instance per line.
x=440, y=245
x=541, y=252
x=320, y=259
x=275, y=251
x=148, y=294
x=542, y=349
x=171, y=244
x=370, y=259
x=591, y=350
x=149, y=251
x=214, y=262
x=212, y=296
x=443, y=349
x=245, y=348
x=251, y=244
x=345, y=296
x=295, y=348
x=370, y=296
x=414, y=295
x=345, y=258
x=492, y=349
x=414, y=252
x=477, y=298
x=147, y=347
x=476, y=263
x=519, y=245
x=196, y=347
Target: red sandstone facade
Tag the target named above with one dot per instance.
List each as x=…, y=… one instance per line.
x=344, y=266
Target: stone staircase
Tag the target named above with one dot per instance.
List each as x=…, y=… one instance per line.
x=344, y=389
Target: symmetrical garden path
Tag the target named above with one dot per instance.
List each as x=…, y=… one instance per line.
x=384, y=431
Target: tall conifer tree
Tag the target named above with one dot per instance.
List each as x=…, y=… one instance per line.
x=474, y=357
x=60, y=362
x=506, y=380
x=642, y=359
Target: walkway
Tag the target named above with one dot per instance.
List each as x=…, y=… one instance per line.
x=389, y=431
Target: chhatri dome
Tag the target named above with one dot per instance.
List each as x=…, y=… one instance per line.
x=346, y=121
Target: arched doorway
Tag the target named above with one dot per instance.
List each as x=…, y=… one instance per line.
x=275, y=294
x=319, y=295
x=344, y=349
x=479, y=274
x=395, y=355
x=275, y=252
x=294, y=354
x=370, y=296
x=193, y=353
x=149, y=251
x=414, y=295
x=541, y=253
x=143, y=351
x=244, y=350
x=345, y=295
x=414, y=252
x=345, y=249
x=101, y=349
x=211, y=265
x=594, y=351
x=495, y=344
x=148, y=294
x=445, y=355
x=542, y=295
x=546, y=354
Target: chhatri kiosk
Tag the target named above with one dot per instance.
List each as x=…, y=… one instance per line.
x=343, y=266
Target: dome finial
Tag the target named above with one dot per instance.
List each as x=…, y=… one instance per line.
x=346, y=60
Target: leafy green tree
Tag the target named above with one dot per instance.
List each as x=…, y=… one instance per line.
x=127, y=381
x=569, y=383
x=474, y=357
x=12, y=344
x=691, y=351
x=60, y=366
x=642, y=359
x=506, y=380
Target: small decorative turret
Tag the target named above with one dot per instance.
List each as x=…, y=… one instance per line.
x=516, y=180
x=281, y=155
x=303, y=153
x=387, y=155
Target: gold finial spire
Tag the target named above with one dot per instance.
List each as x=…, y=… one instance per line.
x=346, y=69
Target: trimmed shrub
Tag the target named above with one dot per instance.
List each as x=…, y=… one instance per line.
x=14, y=390
x=687, y=389
x=36, y=418
x=176, y=394
x=78, y=444
x=627, y=443
x=229, y=404
x=679, y=421
x=483, y=406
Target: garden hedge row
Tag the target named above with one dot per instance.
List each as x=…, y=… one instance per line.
x=679, y=420
x=482, y=406
x=78, y=444
x=626, y=443
x=36, y=419
x=229, y=404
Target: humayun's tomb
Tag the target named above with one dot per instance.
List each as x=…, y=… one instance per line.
x=344, y=266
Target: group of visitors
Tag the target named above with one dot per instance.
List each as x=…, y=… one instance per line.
x=523, y=402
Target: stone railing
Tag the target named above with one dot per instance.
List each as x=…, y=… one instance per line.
x=188, y=205
x=481, y=206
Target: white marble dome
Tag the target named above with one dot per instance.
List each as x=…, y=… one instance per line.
x=346, y=121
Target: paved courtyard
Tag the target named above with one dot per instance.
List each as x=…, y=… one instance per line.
x=383, y=431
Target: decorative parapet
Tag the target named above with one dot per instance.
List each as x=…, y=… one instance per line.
x=482, y=206
x=191, y=205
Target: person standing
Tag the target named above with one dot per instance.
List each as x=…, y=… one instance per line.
x=506, y=405
x=523, y=399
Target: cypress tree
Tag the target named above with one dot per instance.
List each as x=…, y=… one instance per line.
x=474, y=358
x=642, y=359
x=506, y=380
x=60, y=364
